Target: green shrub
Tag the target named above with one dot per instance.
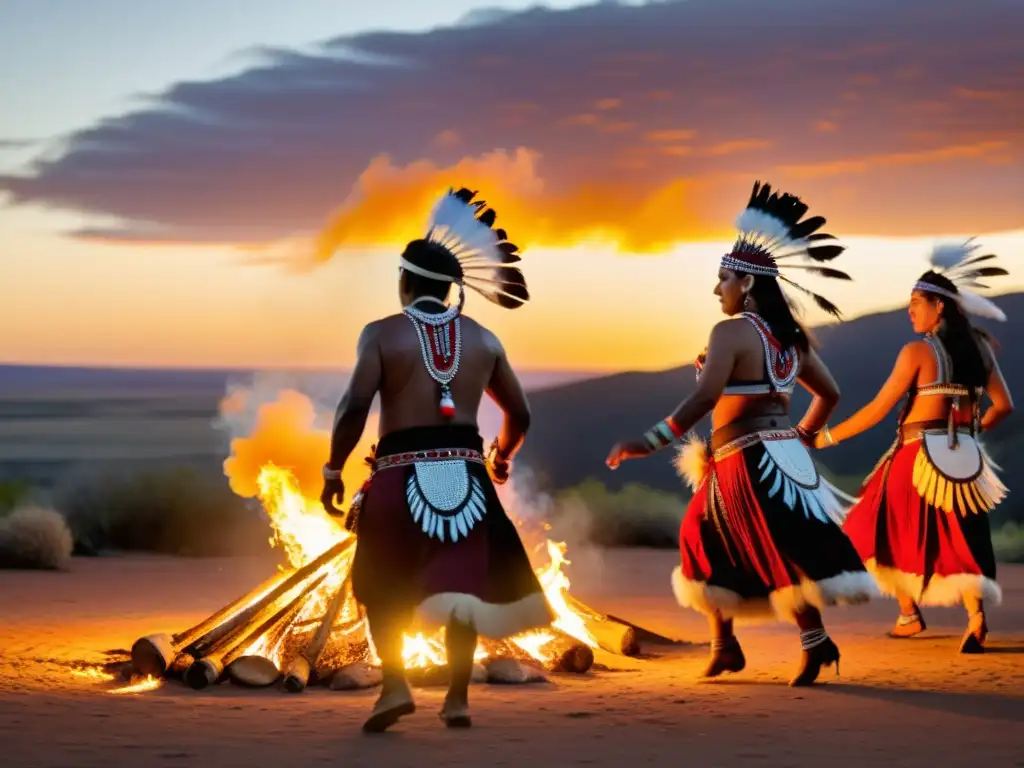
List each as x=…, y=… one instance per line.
x=34, y=537
x=1008, y=542
x=12, y=494
x=176, y=511
x=636, y=516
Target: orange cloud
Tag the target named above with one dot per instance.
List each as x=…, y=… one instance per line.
x=391, y=203
x=447, y=139
x=825, y=126
x=860, y=164
x=737, y=145
x=607, y=104
x=670, y=135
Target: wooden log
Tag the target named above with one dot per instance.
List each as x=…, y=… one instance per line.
x=154, y=654
x=208, y=669
x=259, y=671
x=567, y=654
x=611, y=636
x=297, y=675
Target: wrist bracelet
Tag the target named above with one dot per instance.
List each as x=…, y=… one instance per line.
x=664, y=433
x=331, y=474
x=829, y=440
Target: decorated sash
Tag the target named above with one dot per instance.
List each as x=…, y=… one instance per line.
x=445, y=499
x=956, y=477
x=786, y=468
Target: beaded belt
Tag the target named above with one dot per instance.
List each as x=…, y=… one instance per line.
x=740, y=443
x=440, y=454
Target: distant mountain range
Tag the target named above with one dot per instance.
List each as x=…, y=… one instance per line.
x=576, y=424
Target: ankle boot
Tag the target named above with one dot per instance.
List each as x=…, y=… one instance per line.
x=908, y=625
x=818, y=651
x=726, y=656
x=974, y=638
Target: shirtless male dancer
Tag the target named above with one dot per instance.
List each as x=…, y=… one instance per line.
x=435, y=544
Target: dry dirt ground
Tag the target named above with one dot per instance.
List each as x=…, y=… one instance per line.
x=902, y=703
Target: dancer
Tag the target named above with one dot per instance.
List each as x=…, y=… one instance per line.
x=921, y=524
x=434, y=541
x=763, y=529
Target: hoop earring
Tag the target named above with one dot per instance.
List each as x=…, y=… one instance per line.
x=746, y=300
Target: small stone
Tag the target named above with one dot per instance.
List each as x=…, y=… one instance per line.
x=356, y=676
x=511, y=672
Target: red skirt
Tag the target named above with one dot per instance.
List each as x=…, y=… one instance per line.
x=762, y=535
x=434, y=540
x=934, y=547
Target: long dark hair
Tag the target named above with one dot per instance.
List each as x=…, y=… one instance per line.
x=961, y=339
x=776, y=311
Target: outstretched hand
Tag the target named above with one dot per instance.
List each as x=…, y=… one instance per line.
x=334, y=490
x=629, y=449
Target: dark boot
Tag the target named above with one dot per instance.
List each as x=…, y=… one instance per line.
x=726, y=656
x=818, y=651
x=977, y=630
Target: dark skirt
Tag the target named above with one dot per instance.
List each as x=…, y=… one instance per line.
x=762, y=536
x=934, y=547
x=434, y=539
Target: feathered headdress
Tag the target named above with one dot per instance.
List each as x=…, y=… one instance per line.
x=771, y=230
x=463, y=247
x=956, y=269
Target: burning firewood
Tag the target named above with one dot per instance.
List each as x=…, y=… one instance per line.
x=567, y=654
x=154, y=654
x=207, y=670
x=302, y=665
x=611, y=635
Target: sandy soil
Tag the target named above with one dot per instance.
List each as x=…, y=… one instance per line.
x=902, y=703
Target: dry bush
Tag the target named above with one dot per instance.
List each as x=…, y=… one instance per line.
x=35, y=537
x=170, y=510
x=636, y=516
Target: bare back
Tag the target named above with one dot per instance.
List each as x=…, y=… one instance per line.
x=748, y=366
x=409, y=396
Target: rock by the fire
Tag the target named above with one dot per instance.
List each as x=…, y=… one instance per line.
x=356, y=676
x=512, y=672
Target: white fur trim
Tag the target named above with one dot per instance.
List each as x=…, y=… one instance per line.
x=848, y=588
x=941, y=590
x=692, y=461
x=493, y=620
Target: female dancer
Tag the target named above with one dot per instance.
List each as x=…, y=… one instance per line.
x=921, y=524
x=763, y=528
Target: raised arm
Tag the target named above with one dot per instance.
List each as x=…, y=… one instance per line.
x=999, y=394
x=817, y=379
x=718, y=367
x=896, y=386
x=350, y=417
x=506, y=391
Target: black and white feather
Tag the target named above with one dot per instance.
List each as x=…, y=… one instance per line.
x=465, y=227
x=773, y=229
x=961, y=264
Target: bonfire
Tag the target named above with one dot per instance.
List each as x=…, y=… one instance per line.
x=303, y=625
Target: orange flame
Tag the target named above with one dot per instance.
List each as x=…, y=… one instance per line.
x=275, y=463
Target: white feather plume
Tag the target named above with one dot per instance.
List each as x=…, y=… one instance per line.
x=692, y=461
x=454, y=224
x=756, y=224
x=979, y=306
x=949, y=255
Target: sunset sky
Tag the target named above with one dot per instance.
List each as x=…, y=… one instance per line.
x=228, y=182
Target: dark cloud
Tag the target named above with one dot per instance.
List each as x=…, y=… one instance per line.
x=870, y=108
